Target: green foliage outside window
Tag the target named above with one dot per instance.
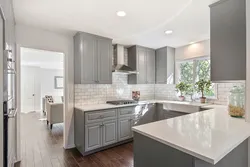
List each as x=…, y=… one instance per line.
x=187, y=72
x=193, y=71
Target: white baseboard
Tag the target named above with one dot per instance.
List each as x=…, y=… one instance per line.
x=70, y=146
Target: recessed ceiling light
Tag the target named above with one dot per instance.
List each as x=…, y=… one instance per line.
x=121, y=13
x=168, y=32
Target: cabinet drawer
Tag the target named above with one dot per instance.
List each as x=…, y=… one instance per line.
x=126, y=111
x=96, y=116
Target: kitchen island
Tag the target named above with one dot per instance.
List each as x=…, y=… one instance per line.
x=204, y=139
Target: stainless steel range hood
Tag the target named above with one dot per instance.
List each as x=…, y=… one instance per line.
x=119, y=65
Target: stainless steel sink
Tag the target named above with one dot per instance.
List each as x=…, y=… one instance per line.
x=185, y=107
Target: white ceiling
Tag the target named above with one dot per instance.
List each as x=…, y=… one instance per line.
x=144, y=24
x=41, y=58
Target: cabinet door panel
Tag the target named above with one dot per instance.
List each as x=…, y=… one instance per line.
x=88, y=52
x=150, y=65
x=228, y=40
x=104, y=61
x=109, y=132
x=170, y=65
x=124, y=128
x=93, y=136
x=161, y=66
x=141, y=64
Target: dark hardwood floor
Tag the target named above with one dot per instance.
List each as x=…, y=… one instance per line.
x=42, y=147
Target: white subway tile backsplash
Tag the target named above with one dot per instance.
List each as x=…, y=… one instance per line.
x=100, y=93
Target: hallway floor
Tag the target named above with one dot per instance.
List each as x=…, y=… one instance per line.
x=42, y=147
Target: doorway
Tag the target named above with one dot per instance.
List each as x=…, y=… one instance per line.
x=40, y=73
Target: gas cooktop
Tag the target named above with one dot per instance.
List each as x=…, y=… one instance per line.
x=122, y=102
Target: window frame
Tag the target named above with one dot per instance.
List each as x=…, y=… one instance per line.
x=195, y=60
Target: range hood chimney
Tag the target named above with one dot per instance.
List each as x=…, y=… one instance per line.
x=119, y=65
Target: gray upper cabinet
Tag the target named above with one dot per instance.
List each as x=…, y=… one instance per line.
x=228, y=40
x=105, y=61
x=150, y=65
x=165, y=65
x=142, y=60
x=93, y=59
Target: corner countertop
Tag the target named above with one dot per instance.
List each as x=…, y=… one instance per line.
x=209, y=135
x=94, y=107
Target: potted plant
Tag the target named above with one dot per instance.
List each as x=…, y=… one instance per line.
x=202, y=86
x=182, y=88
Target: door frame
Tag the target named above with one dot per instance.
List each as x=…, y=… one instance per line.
x=18, y=74
x=1, y=93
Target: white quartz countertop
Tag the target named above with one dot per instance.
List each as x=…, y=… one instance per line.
x=94, y=107
x=207, y=135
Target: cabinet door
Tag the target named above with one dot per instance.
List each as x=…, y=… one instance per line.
x=88, y=59
x=109, y=132
x=150, y=66
x=141, y=66
x=170, y=65
x=124, y=128
x=161, y=66
x=104, y=61
x=228, y=40
x=93, y=136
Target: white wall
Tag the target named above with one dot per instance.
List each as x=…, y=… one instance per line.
x=47, y=82
x=37, y=38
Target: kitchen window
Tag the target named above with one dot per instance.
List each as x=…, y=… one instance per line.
x=191, y=71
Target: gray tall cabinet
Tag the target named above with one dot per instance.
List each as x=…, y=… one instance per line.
x=142, y=60
x=165, y=65
x=93, y=59
x=228, y=40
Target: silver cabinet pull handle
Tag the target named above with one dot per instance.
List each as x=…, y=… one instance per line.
x=12, y=113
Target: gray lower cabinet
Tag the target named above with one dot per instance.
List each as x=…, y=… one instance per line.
x=93, y=136
x=228, y=40
x=109, y=132
x=124, y=128
x=165, y=65
x=93, y=59
x=142, y=60
x=100, y=134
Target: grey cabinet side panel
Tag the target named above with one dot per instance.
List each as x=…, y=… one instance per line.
x=150, y=153
x=228, y=40
x=79, y=130
x=170, y=65
x=236, y=158
x=77, y=59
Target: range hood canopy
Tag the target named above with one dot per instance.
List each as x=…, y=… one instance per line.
x=119, y=65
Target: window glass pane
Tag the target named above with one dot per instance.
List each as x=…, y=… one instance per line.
x=203, y=69
x=203, y=72
x=187, y=72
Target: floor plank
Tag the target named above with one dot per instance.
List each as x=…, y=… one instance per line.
x=42, y=147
